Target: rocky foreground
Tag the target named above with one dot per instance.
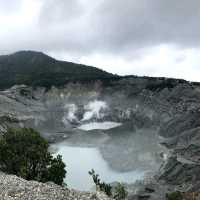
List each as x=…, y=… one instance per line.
x=15, y=188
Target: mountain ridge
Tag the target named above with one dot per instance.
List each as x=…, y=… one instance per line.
x=38, y=69
x=34, y=68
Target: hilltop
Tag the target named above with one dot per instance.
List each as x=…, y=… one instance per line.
x=38, y=69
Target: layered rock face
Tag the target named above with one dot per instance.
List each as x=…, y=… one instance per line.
x=169, y=107
x=145, y=102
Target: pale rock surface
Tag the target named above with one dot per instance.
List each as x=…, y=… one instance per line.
x=15, y=188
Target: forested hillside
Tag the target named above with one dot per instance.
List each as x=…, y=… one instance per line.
x=37, y=69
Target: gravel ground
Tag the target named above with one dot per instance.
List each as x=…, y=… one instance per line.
x=15, y=188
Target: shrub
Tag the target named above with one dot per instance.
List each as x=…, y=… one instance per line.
x=120, y=192
x=102, y=186
x=175, y=196
x=23, y=152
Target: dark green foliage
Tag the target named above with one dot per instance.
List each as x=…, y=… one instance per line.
x=24, y=152
x=100, y=185
x=105, y=188
x=158, y=84
x=196, y=83
x=119, y=192
x=56, y=171
x=174, y=196
x=37, y=69
x=95, y=177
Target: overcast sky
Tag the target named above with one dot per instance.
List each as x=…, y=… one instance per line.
x=141, y=37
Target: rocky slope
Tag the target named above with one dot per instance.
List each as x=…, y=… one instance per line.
x=15, y=188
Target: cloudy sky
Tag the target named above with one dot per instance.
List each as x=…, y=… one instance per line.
x=142, y=37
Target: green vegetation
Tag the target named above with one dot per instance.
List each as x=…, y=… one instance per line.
x=37, y=69
x=100, y=185
x=23, y=152
x=161, y=84
x=174, y=196
x=119, y=192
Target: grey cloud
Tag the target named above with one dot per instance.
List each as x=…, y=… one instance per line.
x=59, y=12
x=118, y=25
x=114, y=26
x=141, y=23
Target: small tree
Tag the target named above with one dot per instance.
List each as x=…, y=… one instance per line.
x=102, y=186
x=95, y=178
x=174, y=196
x=120, y=192
x=24, y=152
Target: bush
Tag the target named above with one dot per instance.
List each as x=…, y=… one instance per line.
x=23, y=152
x=100, y=185
x=120, y=192
x=175, y=196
